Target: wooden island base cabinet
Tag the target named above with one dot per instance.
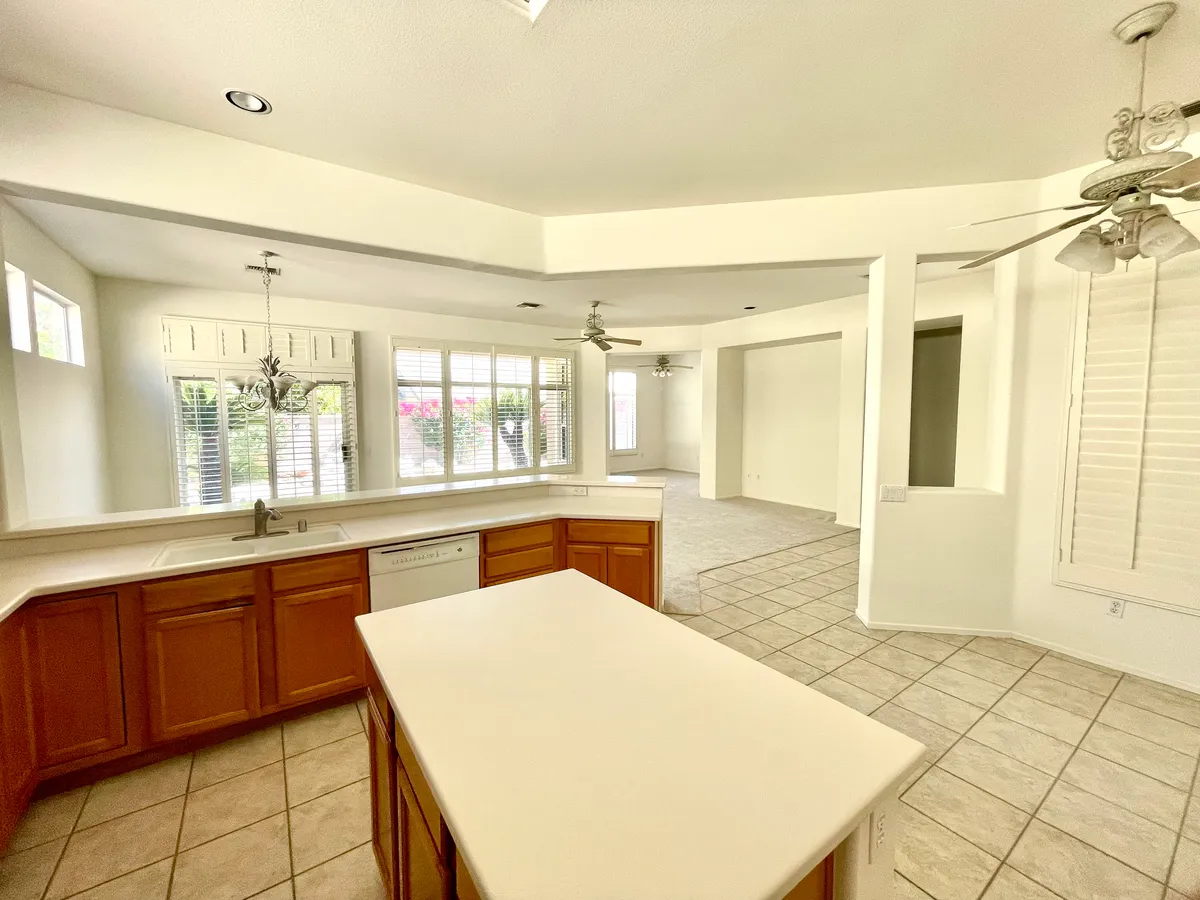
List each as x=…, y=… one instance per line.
x=131, y=673
x=414, y=848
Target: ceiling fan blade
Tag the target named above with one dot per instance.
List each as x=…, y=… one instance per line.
x=602, y=344
x=1184, y=175
x=673, y=366
x=1049, y=232
x=1033, y=212
x=574, y=340
x=623, y=341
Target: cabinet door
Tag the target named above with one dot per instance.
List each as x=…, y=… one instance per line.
x=590, y=559
x=631, y=571
x=202, y=671
x=76, y=678
x=421, y=868
x=384, y=833
x=18, y=760
x=317, y=650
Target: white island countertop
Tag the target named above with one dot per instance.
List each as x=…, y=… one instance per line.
x=583, y=746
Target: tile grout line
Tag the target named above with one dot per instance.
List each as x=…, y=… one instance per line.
x=287, y=809
x=58, y=862
x=179, y=833
x=1188, y=798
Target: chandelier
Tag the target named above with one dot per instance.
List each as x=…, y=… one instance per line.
x=271, y=387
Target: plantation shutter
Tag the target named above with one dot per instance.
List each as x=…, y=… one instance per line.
x=1132, y=505
x=419, y=402
x=555, y=417
x=197, y=439
x=337, y=436
x=249, y=449
x=293, y=438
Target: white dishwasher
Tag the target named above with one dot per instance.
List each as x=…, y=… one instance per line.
x=409, y=573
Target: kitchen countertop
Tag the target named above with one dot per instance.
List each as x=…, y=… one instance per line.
x=581, y=745
x=23, y=577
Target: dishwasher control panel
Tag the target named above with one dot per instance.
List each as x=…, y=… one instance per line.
x=399, y=557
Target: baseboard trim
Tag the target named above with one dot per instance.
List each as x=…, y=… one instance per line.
x=1107, y=663
x=1037, y=642
x=934, y=629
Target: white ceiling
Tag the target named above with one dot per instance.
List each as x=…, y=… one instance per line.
x=123, y=246
x=621, y=104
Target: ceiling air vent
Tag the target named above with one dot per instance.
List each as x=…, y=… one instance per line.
x=530, y=8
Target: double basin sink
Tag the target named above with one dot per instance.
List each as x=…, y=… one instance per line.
x=213, y=549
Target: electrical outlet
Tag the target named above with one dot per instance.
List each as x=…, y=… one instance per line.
x=893, y=493
x=1116, y=608
x=579, y=490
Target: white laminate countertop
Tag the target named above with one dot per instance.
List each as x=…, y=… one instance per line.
x=582, y=746
x=23, y=577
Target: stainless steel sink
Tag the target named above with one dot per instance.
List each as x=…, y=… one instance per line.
x=214, y=549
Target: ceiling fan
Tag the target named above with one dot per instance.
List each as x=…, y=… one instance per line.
x=594, y=333
x=1144, y=162
x=663, y=367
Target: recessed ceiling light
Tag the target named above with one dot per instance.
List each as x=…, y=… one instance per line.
x=251, y=103
x=749, y=307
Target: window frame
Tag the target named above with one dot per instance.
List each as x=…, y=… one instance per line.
x=629, y=451
x=221, y=374
x=1127, y=585
x=72, y=322
x=445, y=348
x=16, y=284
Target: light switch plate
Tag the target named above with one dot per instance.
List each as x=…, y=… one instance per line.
x=893, y=493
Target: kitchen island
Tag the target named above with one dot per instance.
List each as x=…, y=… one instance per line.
x=551, y=739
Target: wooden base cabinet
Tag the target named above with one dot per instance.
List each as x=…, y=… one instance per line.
x=18, y=752
x=317, y=650
x=75, y=677
x=202, y=671
x=619, y=554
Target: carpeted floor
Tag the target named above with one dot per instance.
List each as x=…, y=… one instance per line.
x=704, y=534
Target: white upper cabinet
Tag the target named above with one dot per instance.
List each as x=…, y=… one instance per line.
x=242, y=342
x=292, y=346
x=333, y=349
x=191, y=339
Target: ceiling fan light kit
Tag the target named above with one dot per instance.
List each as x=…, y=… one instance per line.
x=1144, y=161
x=663, y=367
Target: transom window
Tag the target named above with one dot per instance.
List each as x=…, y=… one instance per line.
x=510, y=411
x=43, y=320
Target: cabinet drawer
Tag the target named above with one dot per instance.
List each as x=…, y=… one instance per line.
x=521, y=577
x=585, y=531
x=523, y=537
x=197, y=590
x=308, y=573
x=515, y=563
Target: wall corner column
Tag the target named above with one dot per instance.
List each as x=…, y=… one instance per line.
x=721, y=374
x=891, y=303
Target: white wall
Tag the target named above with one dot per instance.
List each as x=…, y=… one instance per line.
x=681, y=415
x=60, y=405
x=139, y=413
x=650, y=446
x=791, y=410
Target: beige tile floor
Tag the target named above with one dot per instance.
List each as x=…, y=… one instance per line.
x=1046, y=778
x=281, y=813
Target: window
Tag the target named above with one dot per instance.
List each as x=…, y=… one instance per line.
x=1131, y=499
x=511, y=411
x=224, y=453
x=622, y=412
x=58, y=325
x=18, y=308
